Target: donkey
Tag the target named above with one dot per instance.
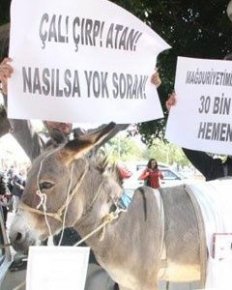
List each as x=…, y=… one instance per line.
x=65, y=189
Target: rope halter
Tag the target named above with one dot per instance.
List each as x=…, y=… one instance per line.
x=59, y=214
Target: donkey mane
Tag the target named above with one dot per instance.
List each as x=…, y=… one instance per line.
x=101, y=162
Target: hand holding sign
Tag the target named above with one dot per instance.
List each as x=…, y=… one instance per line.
x=82, y=58
x=155, y=79
x=6, y=71
x=204, y=94
x=171, y=101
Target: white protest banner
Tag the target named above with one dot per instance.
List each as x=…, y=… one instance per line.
x=82, y=61
x=201, y=119
x=57, y=268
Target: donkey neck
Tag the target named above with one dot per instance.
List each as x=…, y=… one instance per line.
x=100, y=199
x=131, y=231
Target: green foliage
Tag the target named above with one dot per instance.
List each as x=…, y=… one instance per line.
x=4, y=11
x=166, y=153
x=123, y=149
x=127, y=149
x=196, y=28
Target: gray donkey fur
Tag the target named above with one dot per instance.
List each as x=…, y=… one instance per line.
x=131, y=247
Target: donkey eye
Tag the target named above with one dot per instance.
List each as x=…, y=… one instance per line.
x=45, y=185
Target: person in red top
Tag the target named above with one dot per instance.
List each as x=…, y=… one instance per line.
x=151, y=175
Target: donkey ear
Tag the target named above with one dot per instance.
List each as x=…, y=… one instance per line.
x=78, y=147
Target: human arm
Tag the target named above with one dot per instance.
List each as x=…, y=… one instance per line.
x=161, y=175
x=27, y=138
x=171, y=101
x=19, y=185
x=145, y=174
x=155, y=79
x=6, y=71
x=21, y=129
x=210, y=167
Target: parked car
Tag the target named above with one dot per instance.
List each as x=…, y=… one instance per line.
x=171, y=177
x=142, y=166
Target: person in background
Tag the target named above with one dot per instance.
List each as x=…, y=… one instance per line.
x=5, y=199
x=18, y=184
x=211, y=168
x=152, y=175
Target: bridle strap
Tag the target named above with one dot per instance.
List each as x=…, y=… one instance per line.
x=57, y=215
x=28, y=208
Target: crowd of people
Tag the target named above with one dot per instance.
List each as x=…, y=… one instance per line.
x=5, y=198
x=12, y=183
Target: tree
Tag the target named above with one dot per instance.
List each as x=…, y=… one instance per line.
x=4, y=11
x=4, y=27
x=196, y=28
x=166, y=152
x=123, y=148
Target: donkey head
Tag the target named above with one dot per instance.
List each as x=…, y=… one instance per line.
x=53, y=182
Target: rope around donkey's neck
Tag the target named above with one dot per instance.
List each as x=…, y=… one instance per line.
x=106, y=220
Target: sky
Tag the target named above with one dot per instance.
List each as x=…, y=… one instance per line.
x=10, y=149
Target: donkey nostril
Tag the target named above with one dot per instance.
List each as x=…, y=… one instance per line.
x=18, y=237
